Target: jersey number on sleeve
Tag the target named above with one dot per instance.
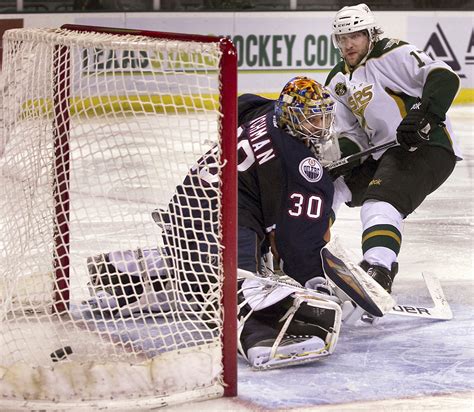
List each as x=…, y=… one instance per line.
x=417, y=57
x=207, y=167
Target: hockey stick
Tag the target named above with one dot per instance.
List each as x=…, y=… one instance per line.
x=357, y=156
x=441, y=309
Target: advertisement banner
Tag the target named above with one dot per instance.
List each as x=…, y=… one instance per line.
x=447, y=38
x=273, y=47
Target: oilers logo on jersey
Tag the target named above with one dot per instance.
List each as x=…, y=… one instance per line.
x=311, y=169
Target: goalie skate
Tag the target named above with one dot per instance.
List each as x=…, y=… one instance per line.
x=292, y=350
x=356, y=284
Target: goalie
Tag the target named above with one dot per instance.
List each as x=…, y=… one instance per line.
x=285, y=205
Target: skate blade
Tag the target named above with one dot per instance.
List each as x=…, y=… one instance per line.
x=285, y=358
x=368, y=318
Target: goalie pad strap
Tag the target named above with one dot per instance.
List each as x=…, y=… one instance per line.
x=258, y=295
x=287, y=317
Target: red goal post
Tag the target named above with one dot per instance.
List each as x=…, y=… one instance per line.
x=90, y=100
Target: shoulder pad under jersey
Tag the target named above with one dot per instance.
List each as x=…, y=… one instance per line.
x=385, y=45
x=338, y=68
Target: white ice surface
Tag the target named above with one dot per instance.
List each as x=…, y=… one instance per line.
x=401, y=363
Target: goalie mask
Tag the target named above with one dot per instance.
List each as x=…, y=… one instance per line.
x=305, y=110
x=352, y=19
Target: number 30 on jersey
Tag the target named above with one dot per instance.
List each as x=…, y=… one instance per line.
x=305, y=205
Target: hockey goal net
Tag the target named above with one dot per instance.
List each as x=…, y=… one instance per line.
x=98, y=128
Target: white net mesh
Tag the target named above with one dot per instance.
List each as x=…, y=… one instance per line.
x=97, y=132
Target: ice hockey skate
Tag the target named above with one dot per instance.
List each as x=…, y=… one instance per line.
x=290, y=351
x=382, y=275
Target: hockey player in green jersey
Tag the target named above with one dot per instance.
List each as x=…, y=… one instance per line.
x=389, y=90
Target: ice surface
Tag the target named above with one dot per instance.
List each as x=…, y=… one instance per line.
x=399, y=357
x=401, y=363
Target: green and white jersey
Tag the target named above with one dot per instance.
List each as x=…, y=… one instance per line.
x=374, y=97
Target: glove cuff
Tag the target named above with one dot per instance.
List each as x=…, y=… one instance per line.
x=432, y=118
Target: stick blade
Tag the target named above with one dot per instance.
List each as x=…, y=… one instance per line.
x=441, y=309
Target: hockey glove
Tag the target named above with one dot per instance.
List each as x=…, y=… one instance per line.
x=415, y=129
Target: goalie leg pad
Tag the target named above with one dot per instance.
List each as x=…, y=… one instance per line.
x=292, y=350
x=317, y=317
x=307, y=331
x=136, y=281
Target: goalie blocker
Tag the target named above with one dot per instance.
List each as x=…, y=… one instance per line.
x=359, y=287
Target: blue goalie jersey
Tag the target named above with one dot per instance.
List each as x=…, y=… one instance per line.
x=282, y=189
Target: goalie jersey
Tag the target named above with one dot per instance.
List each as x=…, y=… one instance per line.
x=282, y=187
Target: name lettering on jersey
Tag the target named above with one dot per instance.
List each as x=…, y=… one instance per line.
x=358, y=102
x=258, y=138
x=311, y=169
x=258, y=127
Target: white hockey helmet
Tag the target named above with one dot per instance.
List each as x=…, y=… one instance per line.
x=351, y=19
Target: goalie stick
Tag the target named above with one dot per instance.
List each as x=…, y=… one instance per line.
x=356, y=156
x=354, y=282
x=440, y=311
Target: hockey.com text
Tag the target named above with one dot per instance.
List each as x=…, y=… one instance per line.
x=285, y=51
